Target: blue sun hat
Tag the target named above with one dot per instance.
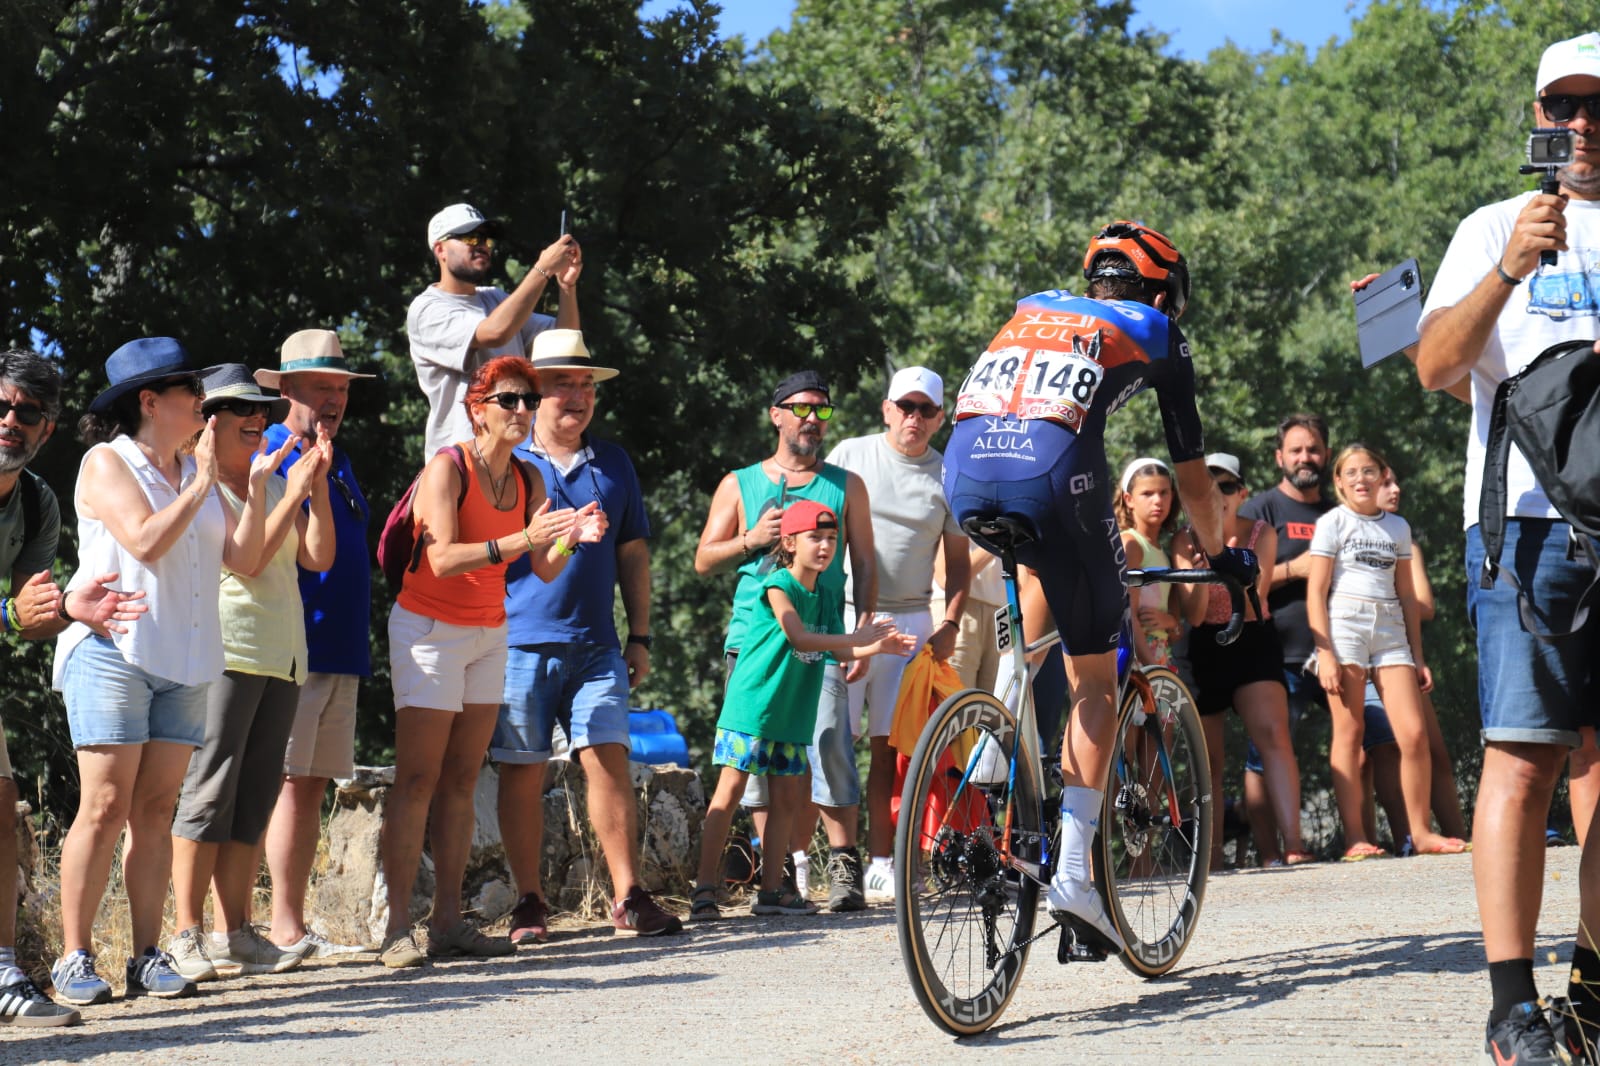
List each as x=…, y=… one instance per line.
x=141, y=362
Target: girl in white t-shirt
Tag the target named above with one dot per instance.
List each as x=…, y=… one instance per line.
x=1362, y=609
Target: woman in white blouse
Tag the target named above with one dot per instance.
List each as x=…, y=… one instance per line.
x=136, y=699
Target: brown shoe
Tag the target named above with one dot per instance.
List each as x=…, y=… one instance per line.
x=530, y=920
x=466, y=941
x=400, y=950
x=636, y=914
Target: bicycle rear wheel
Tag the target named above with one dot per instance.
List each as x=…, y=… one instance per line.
x=964, y=914
x=1155, y=838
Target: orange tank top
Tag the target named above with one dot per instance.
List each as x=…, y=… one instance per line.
x=477, y=597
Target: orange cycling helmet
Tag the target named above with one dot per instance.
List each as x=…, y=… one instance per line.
x=1152, y=257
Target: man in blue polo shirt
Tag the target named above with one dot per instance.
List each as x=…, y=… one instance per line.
x=313, y=376
x=565, y=664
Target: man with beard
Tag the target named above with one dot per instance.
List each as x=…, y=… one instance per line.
x=459, y=323
x=1482, y=324
x=1292, y=507
x=30, y=523
x=911, y=519
x=740, y=531
x=564, y=664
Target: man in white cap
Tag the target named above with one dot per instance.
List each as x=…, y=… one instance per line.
x=904, y=475
x=1482, y=323
x=314, y=377
x=458, y=322
x=565, y=665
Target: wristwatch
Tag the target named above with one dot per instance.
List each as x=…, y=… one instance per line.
x=644, y=639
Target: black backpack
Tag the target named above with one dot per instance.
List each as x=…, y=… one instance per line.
x=1551, y=409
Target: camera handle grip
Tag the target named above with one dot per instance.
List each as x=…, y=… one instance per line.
x=1551, y=186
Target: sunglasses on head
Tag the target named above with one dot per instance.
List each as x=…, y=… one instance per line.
x=1563, y=107
x=1229, y=487
x=926, y=410
x=29, y=414
x=508, y=400
x=472, y=240
x=240, y=408
x=803, y=411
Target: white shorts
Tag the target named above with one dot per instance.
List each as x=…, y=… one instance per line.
x=443, y=667
x=879, y=689
x=1368, y=633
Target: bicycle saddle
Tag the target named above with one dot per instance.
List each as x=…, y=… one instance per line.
x=999, y=533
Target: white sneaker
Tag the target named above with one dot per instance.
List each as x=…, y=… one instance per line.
x=246, y=951
x=1079, y=900
x=189, y=957
x=316, y=946
x=879, y=882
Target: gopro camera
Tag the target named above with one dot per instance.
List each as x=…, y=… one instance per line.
x=1550, y=147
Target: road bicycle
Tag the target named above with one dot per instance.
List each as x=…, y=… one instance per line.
x=976, y=837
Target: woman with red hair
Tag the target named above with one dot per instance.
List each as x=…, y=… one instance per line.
x=475, y=510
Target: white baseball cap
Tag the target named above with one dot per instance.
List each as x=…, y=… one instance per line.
x=1224, y=461
x=1578, y=55
x=455, y=220
x=917, y=379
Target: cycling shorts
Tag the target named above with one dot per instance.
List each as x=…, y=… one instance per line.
x=1042, y=472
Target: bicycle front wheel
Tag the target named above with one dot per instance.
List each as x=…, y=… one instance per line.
x=1155, y=831
x=964, y=912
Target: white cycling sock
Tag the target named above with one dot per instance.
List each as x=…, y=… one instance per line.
x=1080, y=820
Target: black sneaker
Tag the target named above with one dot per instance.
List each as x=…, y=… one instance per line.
x=1568, y=1030
x=1524, y=1038
x=21, y=1003
x=844, y=883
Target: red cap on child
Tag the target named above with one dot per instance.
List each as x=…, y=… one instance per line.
x=803, y=515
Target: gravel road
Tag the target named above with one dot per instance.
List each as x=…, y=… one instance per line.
x=1375, y=962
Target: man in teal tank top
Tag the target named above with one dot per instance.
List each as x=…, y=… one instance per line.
x=739, y=532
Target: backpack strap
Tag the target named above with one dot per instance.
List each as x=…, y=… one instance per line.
x=1492, y=497
x=29, y=484
x=525, y=471
x=458, y=456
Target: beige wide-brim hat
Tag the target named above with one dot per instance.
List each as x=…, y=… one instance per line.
x=310, y=350
x=563, y=349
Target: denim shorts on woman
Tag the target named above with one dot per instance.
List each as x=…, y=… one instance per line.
x=111, y=701
x=1368, y=633
x=443, y=667
x=1529, y=690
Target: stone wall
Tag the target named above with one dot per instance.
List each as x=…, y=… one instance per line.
x=348, y=901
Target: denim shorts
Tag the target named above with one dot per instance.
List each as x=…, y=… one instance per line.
x=111, y=701
x=1376, y=730
x=832, y=754
x=582, y=686
x=1529, y=690
x=1368, y=633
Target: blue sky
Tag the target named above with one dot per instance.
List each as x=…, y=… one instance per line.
x=1195, y=26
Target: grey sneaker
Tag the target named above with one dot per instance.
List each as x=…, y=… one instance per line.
x=316, y=946
x=151, y=974
x=21, y=1003
x=246, y=951
x=467, y=941
x=400, y=950
x=844, y=883
x=77, y=983
x=189, y=957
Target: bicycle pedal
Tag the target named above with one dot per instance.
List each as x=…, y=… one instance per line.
x=1073, y=949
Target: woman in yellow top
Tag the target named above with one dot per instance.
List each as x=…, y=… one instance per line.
x=447, y=646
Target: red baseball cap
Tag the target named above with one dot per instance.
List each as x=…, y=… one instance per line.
x=803, y=515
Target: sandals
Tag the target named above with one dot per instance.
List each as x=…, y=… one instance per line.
x=1451, y=846
x=781, y=901
x=703, y=903
x=1358, y=852
x=1298, y=858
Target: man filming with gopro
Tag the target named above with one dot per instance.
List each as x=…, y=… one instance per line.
x=1489, y=315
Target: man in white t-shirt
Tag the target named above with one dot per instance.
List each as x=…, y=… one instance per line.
x=904, y=476
x=1494, y=308
x=458, y=323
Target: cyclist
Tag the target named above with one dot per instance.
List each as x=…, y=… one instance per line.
x=1029, y=442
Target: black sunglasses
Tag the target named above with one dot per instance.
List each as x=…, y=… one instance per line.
x=1228, y=488
x=241, y=408
x=349, y=496
x=1563, y=107
x=189, y=382
x=926, y=410
x=508, y=400
x=29, y=414
x=803, y=411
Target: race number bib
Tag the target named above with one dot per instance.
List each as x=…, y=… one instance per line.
x=1035, y=383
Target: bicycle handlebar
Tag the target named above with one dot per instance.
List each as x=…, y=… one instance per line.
x=1236, y=593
